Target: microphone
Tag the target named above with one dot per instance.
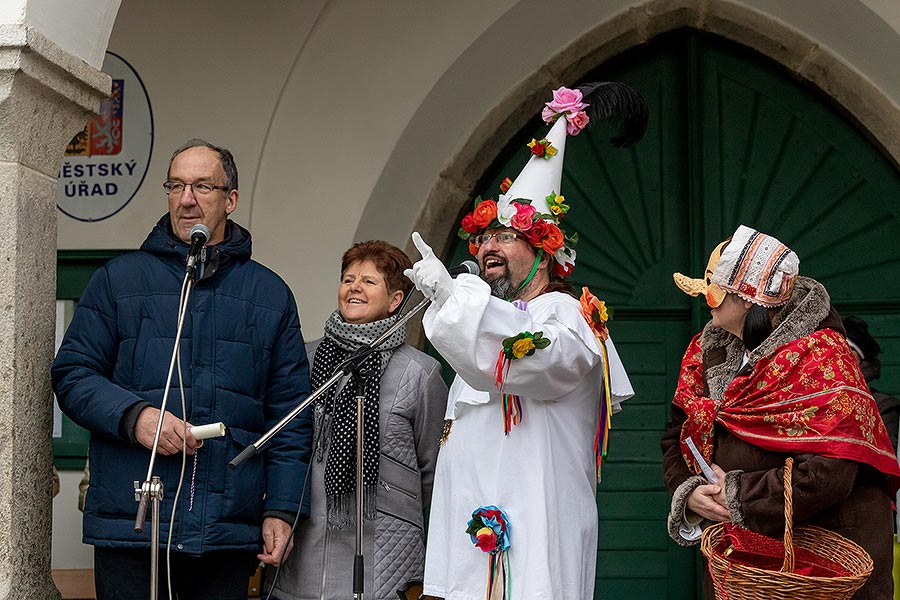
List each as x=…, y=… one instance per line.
x=466, y=266
x=199, y=237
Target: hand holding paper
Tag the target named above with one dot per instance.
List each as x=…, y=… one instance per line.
x=704, y=466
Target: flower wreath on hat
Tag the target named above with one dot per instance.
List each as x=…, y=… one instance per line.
x=540, y=229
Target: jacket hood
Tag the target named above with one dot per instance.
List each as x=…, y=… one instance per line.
x=235, y=248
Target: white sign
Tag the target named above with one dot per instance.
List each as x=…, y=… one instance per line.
x=106, y=162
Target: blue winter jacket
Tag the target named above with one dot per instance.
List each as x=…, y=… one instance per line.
x=243, y=363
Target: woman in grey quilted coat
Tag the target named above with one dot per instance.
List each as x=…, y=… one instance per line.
x=403, y=416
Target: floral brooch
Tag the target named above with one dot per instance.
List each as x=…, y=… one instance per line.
x=489, y=531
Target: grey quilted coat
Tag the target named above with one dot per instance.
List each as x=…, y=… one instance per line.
x=413, y=401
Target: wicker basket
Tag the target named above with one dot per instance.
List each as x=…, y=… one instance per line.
x=736, y=581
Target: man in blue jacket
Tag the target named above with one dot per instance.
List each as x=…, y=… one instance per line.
x=242, y=363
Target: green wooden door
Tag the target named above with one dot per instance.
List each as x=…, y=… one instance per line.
x=732, y=139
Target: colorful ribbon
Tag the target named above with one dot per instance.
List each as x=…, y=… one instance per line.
x=596, y=315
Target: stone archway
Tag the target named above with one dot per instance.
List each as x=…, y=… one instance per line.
x=452, y=187
x=46, y=96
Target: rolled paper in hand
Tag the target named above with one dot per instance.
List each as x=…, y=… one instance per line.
x=201, y=432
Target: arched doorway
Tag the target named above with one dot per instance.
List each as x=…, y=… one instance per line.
x=733, y=139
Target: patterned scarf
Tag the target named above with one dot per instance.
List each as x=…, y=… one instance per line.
x=335, y=419
x=807, y=396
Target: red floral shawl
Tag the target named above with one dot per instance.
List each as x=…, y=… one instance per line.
x=809, y=396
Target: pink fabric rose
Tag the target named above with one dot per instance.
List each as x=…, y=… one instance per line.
x=523, y=218
x=549, y=115
x=564, y=101
x=576, y=122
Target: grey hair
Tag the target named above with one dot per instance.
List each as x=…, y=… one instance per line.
x=225, y=156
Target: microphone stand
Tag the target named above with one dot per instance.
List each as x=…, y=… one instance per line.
x=151, y=490
x=350, y=365
x=358, y=561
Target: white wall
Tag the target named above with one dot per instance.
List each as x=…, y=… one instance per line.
x=12, y=12
x=309, y=96
x=81, y=28
x=342, y=114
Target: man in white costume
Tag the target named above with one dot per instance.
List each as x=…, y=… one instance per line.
x=524, y=408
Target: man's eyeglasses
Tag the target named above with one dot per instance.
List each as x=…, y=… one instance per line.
x=176, y=188
x=503, y=238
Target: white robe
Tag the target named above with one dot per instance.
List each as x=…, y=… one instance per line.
x=543, y=475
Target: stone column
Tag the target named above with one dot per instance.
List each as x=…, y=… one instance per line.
x=46, y=97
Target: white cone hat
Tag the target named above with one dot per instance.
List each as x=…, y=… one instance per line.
x=536, y=216
x=540, y=177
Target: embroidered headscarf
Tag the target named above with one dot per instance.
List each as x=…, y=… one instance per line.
x=757, y=267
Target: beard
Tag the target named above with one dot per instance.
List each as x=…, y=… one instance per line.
x=502, y=287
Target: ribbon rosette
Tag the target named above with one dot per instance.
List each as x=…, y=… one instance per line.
x=596, y=314
x=489, y=531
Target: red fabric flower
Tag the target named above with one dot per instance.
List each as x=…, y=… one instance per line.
x=469, y=224
x=484, y=213
x=487, y=540
x=492, y=513
x=563, y=270
x=473, y=249
x=554, y=240
x=537, y=232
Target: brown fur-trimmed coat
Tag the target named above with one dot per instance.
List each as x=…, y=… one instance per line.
x=844, y=496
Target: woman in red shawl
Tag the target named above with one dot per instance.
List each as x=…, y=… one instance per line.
x=772, y=376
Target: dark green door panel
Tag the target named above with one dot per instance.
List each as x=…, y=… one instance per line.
x=635, y=550
x=777, y=159
x=74, y=269
x=732, y=140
